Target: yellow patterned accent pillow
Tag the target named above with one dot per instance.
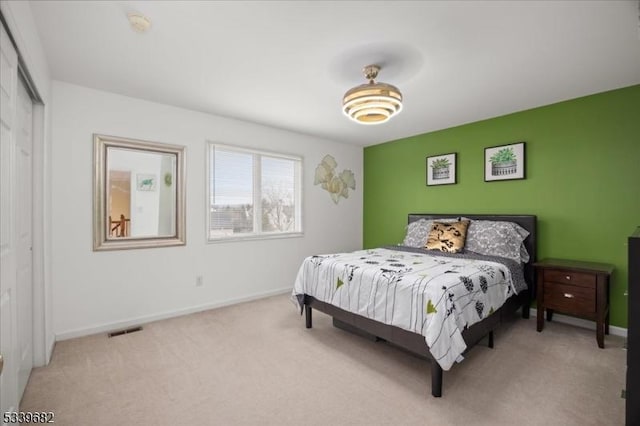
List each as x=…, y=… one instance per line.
x=447, y=237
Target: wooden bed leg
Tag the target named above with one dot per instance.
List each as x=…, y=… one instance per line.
x=436, y=379
x=307, y=315
x=491, y=339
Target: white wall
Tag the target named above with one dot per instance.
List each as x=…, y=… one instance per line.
x=23, y=29
x=96, y=291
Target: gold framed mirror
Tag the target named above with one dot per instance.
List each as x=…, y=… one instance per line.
x=138, y=194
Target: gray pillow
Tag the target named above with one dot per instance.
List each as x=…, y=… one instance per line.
x=418, y=231
x=497, y=238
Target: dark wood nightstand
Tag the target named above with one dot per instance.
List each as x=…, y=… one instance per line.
x=575, y=288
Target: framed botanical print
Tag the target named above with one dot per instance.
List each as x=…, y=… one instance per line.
x=441, y=169
x=146, y=182
x=504, y=162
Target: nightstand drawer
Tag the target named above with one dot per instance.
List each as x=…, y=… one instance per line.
x=570, y=277
x=571, y=299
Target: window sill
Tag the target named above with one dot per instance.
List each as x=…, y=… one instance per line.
x=251, y=237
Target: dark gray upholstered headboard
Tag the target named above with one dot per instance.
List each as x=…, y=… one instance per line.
x=528, y=222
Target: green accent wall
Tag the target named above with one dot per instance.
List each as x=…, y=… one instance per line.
x=582, y=180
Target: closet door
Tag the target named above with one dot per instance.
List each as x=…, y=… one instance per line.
x=9, y=395
x=24, y=234
x=16, y=230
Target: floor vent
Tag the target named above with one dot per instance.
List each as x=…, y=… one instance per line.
x=125, y=331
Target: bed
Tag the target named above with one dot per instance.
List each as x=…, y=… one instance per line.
x=435, y=305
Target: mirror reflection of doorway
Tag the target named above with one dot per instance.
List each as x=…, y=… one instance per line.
x=119, y=203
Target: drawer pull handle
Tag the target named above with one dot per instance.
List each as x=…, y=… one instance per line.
x=569, y=295
x=568, y=277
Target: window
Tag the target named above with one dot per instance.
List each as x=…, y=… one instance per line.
x=252, y=194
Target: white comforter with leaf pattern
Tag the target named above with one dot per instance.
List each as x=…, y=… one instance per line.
x=432, y=295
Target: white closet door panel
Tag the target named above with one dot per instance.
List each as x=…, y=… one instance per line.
x=24, y=240
x=9, y=398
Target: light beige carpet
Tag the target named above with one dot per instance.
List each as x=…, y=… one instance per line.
x=255, y=363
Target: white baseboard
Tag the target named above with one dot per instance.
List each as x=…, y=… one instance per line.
x=80, y=332
x=579, y=322
x=565, y=319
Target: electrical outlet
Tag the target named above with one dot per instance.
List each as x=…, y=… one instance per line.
x=199, y=282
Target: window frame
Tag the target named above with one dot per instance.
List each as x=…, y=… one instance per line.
x=257, y=193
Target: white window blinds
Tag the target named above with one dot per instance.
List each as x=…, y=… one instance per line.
x=253, y=193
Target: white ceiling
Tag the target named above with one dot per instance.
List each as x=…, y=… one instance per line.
x=287, y=64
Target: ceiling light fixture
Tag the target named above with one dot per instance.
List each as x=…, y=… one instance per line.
x=139, y=22
x=372, y=103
